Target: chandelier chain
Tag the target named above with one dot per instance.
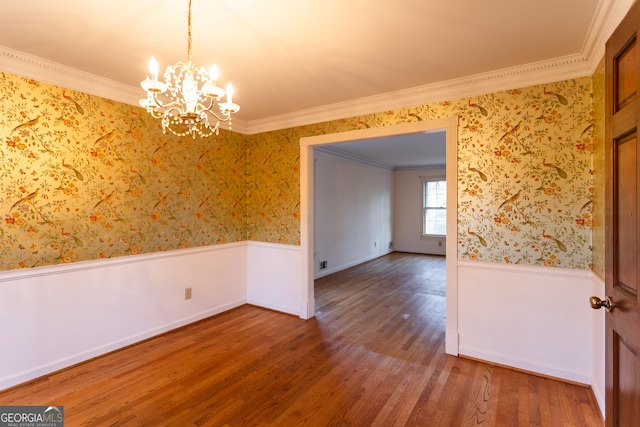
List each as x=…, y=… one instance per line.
x=189, y=33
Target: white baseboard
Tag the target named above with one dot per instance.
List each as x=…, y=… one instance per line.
x=555, y=371
x=329, y=271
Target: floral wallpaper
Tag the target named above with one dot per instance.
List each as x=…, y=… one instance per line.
x=525, y=190
x=598, y=236
x=85, y=178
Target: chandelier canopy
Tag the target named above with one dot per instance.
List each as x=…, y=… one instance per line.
x=189, y=100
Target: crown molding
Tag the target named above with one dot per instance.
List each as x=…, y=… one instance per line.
x=608, y=16
x=558, y=69
x=34, y=67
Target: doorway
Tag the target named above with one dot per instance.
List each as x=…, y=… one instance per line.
x=450, y=126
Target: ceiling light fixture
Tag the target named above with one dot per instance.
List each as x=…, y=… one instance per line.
x=189, y=97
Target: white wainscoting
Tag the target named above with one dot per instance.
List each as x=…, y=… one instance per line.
x=54, y=317
x=532, y=318
x=274, y=278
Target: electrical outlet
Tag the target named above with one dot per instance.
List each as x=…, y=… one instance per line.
x=323, y=265
x=187, y=293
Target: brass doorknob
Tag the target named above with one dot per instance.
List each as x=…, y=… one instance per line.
x=597, y=303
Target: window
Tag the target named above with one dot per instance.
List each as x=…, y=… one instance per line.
x=434, y=218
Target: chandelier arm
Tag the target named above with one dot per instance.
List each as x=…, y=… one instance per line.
x=156, y=101
x=155, y=113
x=223, y=118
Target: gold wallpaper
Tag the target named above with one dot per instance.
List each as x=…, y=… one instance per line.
x=598, y=237
x=524, y=167
x=86, y=178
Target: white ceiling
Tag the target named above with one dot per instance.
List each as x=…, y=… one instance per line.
x=299, y=61
x=409, y=151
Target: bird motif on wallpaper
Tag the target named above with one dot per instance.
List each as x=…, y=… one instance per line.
x=512, y=135
x=27, y=124
x=104, y=200
x=105, y=141
x=561, y=99
x=70, y=99
x=561, y=173
x=28, y=198
x=480, y=108
x=75, y=171
x=512, y=201
x=558, y=243
x=482, y=241
x=479, y=172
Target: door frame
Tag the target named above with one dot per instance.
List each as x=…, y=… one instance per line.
x=450, y=126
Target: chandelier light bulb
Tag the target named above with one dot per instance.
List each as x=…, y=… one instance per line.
x=153, y=69
x=229, y=93
x=214, y=73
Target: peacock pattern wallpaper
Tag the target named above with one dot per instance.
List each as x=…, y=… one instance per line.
x=525, y=184
x=85, y=178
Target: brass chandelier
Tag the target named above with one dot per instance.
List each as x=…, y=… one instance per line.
x=189, y=97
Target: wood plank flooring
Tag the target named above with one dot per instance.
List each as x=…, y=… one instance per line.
x=372, y=356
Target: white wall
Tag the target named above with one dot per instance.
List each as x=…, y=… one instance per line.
x=353, y=212
x=274, y=276
x=407, y=212
x=533, y=318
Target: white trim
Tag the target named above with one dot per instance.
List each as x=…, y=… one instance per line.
x=30, y=66
x=307, y=144
x=532, y=270
x=29, y=273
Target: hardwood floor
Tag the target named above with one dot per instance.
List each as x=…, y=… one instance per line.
x=372, y=356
